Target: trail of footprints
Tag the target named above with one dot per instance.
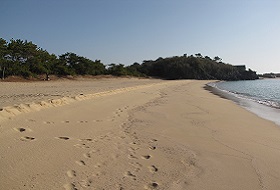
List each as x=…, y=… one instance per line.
x=153, y=169
x=22, y=130
x=132, y=155
x=86, y=144
x=118, y=113
x=30, y=138
x=27, y=138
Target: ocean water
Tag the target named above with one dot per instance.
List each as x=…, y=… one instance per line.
x=261, y=97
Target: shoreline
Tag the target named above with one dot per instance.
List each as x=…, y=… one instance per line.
x=263, y=111
x=163, y=135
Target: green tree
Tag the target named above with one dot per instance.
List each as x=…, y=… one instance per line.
x=198, y=55
x=70, y=63
x=217, y=59
x=117, y=70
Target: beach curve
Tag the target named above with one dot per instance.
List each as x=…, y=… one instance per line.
x=174, y=135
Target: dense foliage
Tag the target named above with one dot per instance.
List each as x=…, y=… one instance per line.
x=23, y=58
x=195, y=67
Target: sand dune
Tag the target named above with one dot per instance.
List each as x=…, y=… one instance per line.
x=145, y=135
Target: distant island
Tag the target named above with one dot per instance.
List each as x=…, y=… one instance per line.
x=25, y=59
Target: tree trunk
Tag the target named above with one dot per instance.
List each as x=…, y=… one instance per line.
x=3, y=73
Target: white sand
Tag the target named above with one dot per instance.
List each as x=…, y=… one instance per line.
x=167, y=135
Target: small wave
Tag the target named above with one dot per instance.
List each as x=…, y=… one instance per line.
x=265, y=107
x=247, y=96
x=269, y=103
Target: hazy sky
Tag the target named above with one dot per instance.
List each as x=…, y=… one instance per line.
x=128, y=31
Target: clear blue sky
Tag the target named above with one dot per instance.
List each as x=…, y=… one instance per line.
x=128, y=31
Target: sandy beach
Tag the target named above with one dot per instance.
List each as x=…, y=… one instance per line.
x=125, y=134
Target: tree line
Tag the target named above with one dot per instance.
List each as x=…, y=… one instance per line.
x=26, y=59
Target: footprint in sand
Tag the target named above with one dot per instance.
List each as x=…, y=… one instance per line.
x=20, y=129
x=85, y=139
x=83, y=121
x=26, y=138
x=134, y=143
x=83, y=145
x=63, y=138
x=129, y=174
x=153, y=169
x=126, y=107
x=118, y=112
x=67, y=121
x=152, y=185
x=86, y=183
x=131, y=156
x=71, y=173
x=81, y=163
x=153, y=140
x=87, y=155
x=147, y=157
x=152, y=147
x=98, y=165
x=70, y=186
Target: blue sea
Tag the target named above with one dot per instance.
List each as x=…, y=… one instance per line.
x=261, y=97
